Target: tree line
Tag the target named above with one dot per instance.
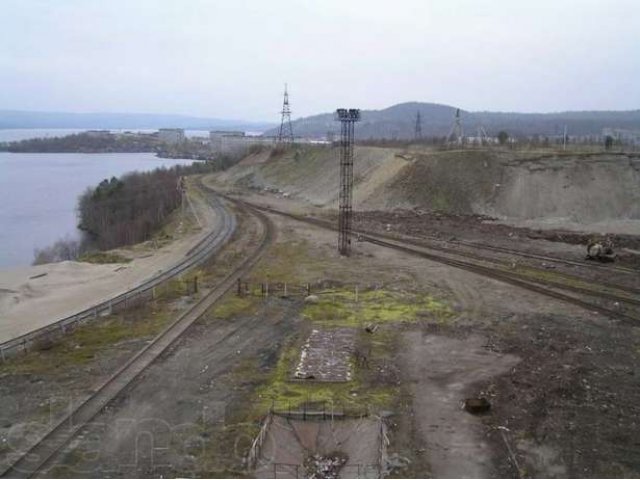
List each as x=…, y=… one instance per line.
x=126, y=210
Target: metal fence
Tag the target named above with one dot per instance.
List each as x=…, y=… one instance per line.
x=285, y=290
x=318, y=409
x=196, y=256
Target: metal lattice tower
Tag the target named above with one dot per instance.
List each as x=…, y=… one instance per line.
x=285, y=135
x=347, y=119
x=456, y=130
x=418, y=130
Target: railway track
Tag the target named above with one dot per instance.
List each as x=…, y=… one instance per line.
x=41, y=455
x=194, y=257
x=519, y=253
x=545, y=258
x=625, y=293
x=620, y=302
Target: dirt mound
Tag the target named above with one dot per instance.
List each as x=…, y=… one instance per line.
x=312, y=174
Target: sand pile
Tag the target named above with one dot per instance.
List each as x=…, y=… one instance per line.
x=33, y=297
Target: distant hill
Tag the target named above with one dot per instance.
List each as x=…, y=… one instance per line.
x=28, y=119
x=398, y=121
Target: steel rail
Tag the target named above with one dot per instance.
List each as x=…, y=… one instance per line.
x=39, y=456
x=194, y=257
x=451, y=251
x=536, y=285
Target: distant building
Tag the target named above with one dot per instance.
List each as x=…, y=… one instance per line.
x=235, y=142
x=171, y=136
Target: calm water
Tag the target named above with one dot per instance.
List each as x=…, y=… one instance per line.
x=38, y=194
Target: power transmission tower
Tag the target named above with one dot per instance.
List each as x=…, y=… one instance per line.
x=456, y=129
x=418, y=130
x=347, y=119
x=285, y=135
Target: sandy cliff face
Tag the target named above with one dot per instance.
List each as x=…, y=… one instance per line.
x=549, y=188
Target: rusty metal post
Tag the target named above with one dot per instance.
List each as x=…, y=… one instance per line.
x=347, y=118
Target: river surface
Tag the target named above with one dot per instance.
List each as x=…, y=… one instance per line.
x=39, y=193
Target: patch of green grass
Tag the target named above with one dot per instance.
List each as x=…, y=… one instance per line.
x=233, y=305
x=282, y=392
x=375, y=306
x=340, y=309
x=86, y=341
x=290, y=262
x=103, y=257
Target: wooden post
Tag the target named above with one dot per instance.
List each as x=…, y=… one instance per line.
x=239, y=287
x=285, y=289
x=308, y=289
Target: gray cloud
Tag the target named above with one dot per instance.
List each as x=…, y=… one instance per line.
x=230, y=58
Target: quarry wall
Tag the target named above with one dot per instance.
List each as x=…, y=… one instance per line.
x=582, y=188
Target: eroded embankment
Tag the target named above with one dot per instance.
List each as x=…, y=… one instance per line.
x=550, y=189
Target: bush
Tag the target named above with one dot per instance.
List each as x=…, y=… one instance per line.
x=64, y=249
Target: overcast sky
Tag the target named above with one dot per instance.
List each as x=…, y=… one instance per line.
x=230, y=59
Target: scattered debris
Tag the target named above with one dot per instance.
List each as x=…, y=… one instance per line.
x=477, y=406
x=326, y=355
x=601, y=250
x=329, y=466
x=395, y=463
x=371, y=327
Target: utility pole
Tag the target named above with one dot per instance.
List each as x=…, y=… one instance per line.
x=456, y=129
x=285, y=135
x=418, y=130
x=347, y=118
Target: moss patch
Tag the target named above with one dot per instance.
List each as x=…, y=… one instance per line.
x=282, y=393
x=87, y=341
x=103, y=257
x=369, y=388
x=375, y=306
x=290, y=262
x=233, y=305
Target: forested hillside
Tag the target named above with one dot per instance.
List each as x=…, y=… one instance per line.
x=398, y=121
